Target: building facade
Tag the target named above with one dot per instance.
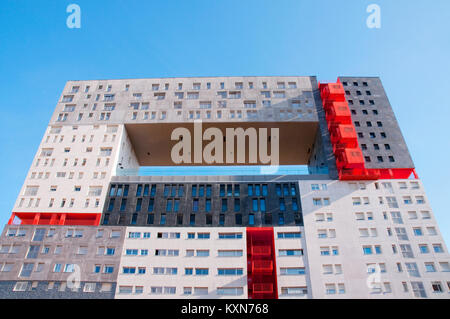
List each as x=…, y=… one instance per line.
x=337, y=210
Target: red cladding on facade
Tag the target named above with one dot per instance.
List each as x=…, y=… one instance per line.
x=62, y=219
x=261, y=265
x=349, y=157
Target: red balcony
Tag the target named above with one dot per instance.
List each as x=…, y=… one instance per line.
x=339, y=114
x=343, y=133
x=332, y=91
x=262, y=288
x=261, y=251
x=262, y=266
x=359, y=174
x=328, y=104
x=350, y=158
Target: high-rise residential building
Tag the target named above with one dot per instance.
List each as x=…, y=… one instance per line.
x=164, y=188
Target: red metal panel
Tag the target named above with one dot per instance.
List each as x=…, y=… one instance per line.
x=261, y=264
x=339, y=114
x=349, y=157
x=73, y=219
x=263, y=288
x=261, y=250
x=343, y=134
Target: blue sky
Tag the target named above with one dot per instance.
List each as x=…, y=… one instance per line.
x=135, y=39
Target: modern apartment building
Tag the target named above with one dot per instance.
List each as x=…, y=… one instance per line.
x=164, y=188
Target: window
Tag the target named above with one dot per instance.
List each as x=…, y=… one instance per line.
x=192, y=95
x=201, y=271
x=438, y=248
x=417, y=231
x=412, y=269
x=367, y=250
x=229, y=253
x=288, y=235
x=279, y=94
x=234, y=95
x=330, y=289
x=437, y=287
x=250, y=104
x=290, y=252
x=424, y=249
x=21, y=286
x=203, y=235
x=129, y=270
x=429, y=267
x=418, y=289
x=445, y=266
x=229, y=271
x=230, y=291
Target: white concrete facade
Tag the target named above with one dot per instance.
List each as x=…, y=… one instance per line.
x=352, y=227
x=174, y=249
x=72, y=169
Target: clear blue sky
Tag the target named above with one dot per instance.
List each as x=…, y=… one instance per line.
x=149, y=38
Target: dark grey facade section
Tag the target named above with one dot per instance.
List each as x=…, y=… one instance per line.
x=379, y=134
x=203, y=204
x=51, y=256
x=322, y=155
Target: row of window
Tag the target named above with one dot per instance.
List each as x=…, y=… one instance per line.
x=225, y=190
x=386, y=186
x=284, y=271
x=60, y=138
x=232, y=114
x=173, y=205
x=77, y=188
x=47, y=162
x=195, y=86
x=165, y=290
x=32, y=190
x=204, y=252
x=33, y=250
x=399, y=231
x=189, y=235
x=61, y=286
x=28, y=268
x=359, y=92
x=396, y=217
x=294, y=103
x=391, y=201
x=267, y=218
x=372, y=135
x=362, y=103
x=228, y=291
x=368, y=124
x=355, y=83
x=405, y=249
x=187, y=271
x=205, y=235
x=41, y=233
x=103, y=151
x=249, y=104
x=365, y=112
